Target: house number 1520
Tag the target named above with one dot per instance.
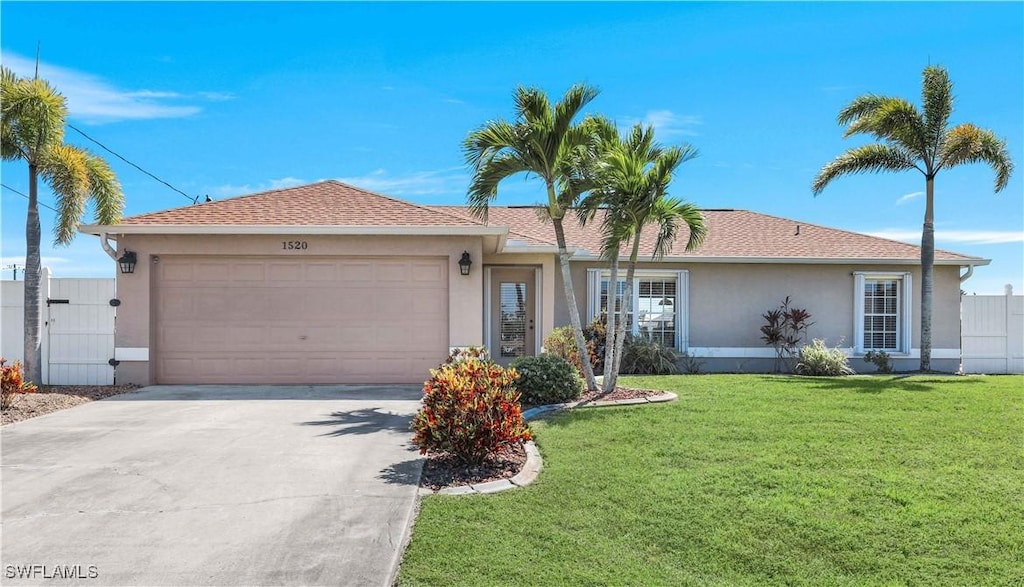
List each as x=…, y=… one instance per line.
x=294, y=245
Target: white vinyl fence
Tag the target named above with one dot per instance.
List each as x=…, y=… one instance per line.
x=992, y=329
x=78, y=328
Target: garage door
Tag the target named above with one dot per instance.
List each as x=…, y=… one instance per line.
x=312, y=320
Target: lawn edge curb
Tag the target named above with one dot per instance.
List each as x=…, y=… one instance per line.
x=534, y=462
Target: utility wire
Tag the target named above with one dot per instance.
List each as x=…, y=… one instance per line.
x=109, y=150
x=26, y=197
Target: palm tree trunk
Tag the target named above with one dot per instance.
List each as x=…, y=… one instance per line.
x=627, y=306
x=612, y=335
x=927, y=274
x=574, y=311
x=33, y=276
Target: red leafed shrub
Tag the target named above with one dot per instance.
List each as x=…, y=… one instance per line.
x=13, y=377
x=470, y=410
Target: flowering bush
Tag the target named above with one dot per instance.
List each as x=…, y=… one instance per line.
x=13, y=377
x=470, y=409
x=547, y=379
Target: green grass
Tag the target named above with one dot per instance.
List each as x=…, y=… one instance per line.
x=754, y=480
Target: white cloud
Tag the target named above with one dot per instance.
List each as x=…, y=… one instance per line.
x=972, y=237
x=443, y=181
x=668, y=124
x=231, y=190
x=907, y=197
x=95, y=100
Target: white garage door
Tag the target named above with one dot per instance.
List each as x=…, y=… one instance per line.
x=289, y=320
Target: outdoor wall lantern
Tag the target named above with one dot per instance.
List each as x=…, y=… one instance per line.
x=464, y=263
x=127, y=262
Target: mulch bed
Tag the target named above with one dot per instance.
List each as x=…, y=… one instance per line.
x=51, y=398
x=617, y=394
x=442, y=470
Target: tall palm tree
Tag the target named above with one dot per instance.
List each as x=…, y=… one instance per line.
x=543, y=140
x=632, y=178
x=32, y=131
x=921, y=140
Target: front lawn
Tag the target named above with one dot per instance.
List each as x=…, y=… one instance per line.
x=753, y=480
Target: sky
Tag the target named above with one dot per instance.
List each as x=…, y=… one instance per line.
x=224, y=99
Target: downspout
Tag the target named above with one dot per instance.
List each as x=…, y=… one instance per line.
x=966, y=276
x=111, y=251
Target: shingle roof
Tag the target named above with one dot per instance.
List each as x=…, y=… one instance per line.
x=732, y=234
x=327, y=203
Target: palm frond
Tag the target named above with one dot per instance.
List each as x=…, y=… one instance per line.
x=33, y=116
x=894, y=119
x=862, y=106
x=484, y=185
x=967, y=143
x=64, y=169
x=936, y=102
x=570, y=106
x=104, y=189
x=861, y=160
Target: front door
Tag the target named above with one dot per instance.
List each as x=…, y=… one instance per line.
x=513, y=314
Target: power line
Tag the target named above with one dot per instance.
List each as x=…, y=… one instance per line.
x=26, y=197
x=109, y=150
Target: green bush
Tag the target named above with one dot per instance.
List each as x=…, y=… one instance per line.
x=547, y=379
x=470, y=409
x=817, y=359
x=880, y=359
x=643, y=356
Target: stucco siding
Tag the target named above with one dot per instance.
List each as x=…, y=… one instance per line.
x=726, y=302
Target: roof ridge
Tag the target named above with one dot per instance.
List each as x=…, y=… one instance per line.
x=229, y=199
x=401, y=201
x=853, y=232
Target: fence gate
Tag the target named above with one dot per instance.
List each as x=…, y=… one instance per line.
x=78, y=336
x=993, y=334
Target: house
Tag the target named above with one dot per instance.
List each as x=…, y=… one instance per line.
x=330, y=283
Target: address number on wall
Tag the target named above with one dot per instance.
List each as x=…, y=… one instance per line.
x=294, y=245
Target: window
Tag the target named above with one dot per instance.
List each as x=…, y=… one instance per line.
x=882, y=320
x=658, y=308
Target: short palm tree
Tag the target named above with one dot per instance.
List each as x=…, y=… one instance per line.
x=921, y=140
x=32, y=131
x=632, y=179
x=544, y=140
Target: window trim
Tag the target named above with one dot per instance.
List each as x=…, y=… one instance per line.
x=682, y=312
x=904, y=323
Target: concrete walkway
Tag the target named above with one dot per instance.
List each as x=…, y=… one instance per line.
x=213, y=485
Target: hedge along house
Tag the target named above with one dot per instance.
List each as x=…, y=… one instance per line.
x=329, y=283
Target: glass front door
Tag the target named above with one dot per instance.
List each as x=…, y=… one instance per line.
x=513, y=314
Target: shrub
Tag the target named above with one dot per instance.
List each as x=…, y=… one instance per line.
x=12, y=383
x=643, y=356
x=783, y=329
x=880, y=359
x=561, y=343
x=547, y=379
x=817, y=359
x=470, y=410
x=691, y=365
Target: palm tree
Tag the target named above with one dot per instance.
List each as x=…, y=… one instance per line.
x=543, y=141
x=32, y=131
x=921, y=140
x=632, y=178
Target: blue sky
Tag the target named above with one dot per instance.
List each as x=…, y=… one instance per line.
x=226, y=99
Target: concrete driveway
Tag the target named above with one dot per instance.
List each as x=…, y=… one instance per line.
x=213, y=485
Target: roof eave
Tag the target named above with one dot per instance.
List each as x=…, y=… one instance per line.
x=113, y=229
x=801, y=260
